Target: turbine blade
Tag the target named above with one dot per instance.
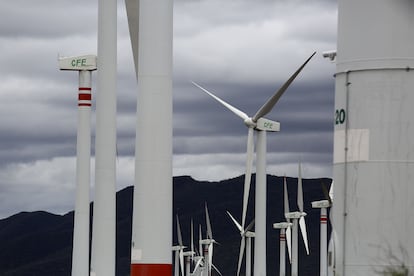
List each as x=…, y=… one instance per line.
x=132, y=9
x=210, y=257
x=235, y=222
x=302, y=225
x=248, y=175
x=289, y=242
x=182, y=261
x=208, y=224
x=300, y=190
x=233, y=109
x=241, y=253
x=216, y=269
x=331, y=245
x=192, y=238
x=326, y=193
x=200, y=236
x=331, y=191
x=197, y=264
x=267, y=107
x=179, y=237
x=286, y=199
x=250, y=226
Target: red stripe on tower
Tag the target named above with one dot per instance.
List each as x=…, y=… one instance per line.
x=282, y=237
x=151, y=269
x=324, y=219
x=84, y=99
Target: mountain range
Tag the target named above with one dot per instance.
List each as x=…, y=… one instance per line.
x=40, y=243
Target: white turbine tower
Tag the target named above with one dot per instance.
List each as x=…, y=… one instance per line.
x=104, y=215
x=80, y=254
x=282, y=245
x=323, y=205
x=200, y=259
x=331, y=260
x=297, y=217
x=288, y=230
x=246, y=242
x=189, y=255
x=373, y=160
x=150, y=25
x=261, y=125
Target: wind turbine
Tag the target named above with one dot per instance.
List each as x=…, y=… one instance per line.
x=282, y=245
x=189, y=255
x=208, y=246
x=331, y=260
x=297, y=217
x=150, y=25
x=261, y=125
x=178, y=252
x=200, y=263
x=80, y=254
x=246, y=241
x=285, y=236
x=323, y=205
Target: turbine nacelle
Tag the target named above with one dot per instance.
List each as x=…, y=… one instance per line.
x=321, y=204
x=282, y=225
x=295, y=215
x=178, y=247
x=189, y=254
x=249, y=234
x=262, y=124
x=207, y=241
x=267, y=125
x=78, y=63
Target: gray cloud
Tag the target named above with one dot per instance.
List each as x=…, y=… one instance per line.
x=241, y=51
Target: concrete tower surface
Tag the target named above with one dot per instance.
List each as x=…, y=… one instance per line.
x=373, y=138
x=104, y=215
x=152, y=222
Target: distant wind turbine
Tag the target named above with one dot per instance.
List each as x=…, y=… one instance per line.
x=199, y=259
x=80, y=253
x=246, y=237
x=189, y=255
x=323, y=205
x=208, y=246
x=282, y=245
x=285, y=236
x=286, y=210
x=298, y=217
x=261, y=125
x=178, y=252
x=330, y=254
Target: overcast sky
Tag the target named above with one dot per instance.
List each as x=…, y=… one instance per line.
x=241, y=50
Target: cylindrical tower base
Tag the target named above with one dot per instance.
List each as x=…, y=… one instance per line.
x=373, y=145
x=151, y=269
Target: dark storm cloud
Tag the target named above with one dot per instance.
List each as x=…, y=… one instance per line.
x=240, y=50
